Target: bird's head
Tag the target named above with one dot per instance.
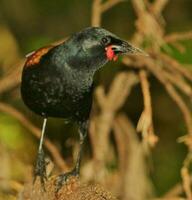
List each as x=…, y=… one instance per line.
x=94, y=46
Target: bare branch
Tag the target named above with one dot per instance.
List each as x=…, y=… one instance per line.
x=185, y=174
x=109, y=4
x=145, y=123
x=158, y=73
x=139, y=7
x=135, y=165
x=179, y=82
x=96, y=13
x=158, y=6
x=173, y=37
x=13, y=79
x=36, y=132
x=176, y=190
x=172, y=64
x=101, y=124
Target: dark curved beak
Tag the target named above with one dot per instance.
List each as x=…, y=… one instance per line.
x=124, y=47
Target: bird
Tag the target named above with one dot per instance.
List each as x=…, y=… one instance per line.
x=57, y=82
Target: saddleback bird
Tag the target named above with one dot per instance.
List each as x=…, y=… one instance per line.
x=57, y=81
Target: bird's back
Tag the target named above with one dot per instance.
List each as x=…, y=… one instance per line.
x=55, y=90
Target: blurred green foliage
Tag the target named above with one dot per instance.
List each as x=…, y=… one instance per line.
x=11, y=133
x=185, y=56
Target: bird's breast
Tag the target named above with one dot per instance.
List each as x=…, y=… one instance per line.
x=57, y=93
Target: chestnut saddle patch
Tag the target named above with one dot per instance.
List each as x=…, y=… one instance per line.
x=35, y=57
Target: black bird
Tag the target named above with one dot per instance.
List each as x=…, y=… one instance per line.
x=57, y=81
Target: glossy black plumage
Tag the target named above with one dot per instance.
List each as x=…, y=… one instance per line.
x=54, y=91
x=60, y=84
x=57, y=81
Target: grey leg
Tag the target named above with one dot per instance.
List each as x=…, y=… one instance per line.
x=83, y=129
x=40, y=168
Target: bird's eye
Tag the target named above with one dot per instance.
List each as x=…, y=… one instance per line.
x=106, y=40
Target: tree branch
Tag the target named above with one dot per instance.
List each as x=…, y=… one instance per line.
x=36, y=132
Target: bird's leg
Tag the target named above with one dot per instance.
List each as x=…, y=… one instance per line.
x=40, y=168
x=83, y=128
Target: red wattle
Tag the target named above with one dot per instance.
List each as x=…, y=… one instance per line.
x=110, y=54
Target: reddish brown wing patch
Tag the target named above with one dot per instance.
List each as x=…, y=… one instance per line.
x=35, y=57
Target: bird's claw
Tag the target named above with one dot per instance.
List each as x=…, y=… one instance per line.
x=63, y=178
x=40, y=168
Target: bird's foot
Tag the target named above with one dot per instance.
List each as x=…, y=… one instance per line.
x=40, y=168
x=63, y=178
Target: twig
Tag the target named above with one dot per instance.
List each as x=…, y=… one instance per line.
x=96, y=13
x=145, y=123
x=178, y=80
x=135, y=163
x=174, y=191
x=157, y=72
x=11, y=80
x=109, y=4
x=158, y=6
x=174, y=65
x=120, y=88
x=121, y=143
x=101, y=124
x=173, y=37
x=147, y=25
x=186, y=176
x=180, y=47
x=36, y=132
x=139, y=7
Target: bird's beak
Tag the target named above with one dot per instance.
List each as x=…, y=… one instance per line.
x=127, y=48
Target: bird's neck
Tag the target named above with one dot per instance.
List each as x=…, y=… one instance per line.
x=68, y=62
x=78, y=59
